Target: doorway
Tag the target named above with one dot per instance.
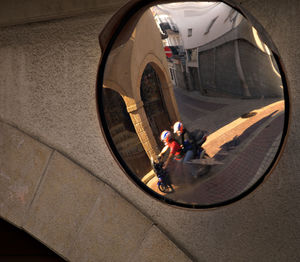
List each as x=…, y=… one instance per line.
x=154, y=104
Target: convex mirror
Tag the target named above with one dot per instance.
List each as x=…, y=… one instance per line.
x=193, y=102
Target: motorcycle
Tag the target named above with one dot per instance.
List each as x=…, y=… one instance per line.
x=164, y=183
x=199, y=137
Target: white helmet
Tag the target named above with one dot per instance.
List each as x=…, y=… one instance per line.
x=178, y=126
x=165, y=136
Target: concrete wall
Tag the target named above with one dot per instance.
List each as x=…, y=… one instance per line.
x=219, y=73
x=60, y=183
x=260, y=76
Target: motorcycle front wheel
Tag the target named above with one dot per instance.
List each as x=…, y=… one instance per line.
x=165, y=188
x=162, y=188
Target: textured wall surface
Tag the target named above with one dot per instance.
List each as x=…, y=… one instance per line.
x=65, y=187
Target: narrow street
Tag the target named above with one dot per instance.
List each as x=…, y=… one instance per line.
x=244, y=135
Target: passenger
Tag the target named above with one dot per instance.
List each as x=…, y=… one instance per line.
x=175, y=149
x=187, y=143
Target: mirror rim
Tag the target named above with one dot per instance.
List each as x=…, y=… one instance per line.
x=107, y=37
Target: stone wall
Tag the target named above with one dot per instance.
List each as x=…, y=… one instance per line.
x=69, y=209
x=61, y=184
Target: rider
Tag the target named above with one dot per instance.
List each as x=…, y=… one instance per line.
x=175, y=149
x=186, y=141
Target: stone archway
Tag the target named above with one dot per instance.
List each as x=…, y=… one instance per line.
x=123, y=133
x=161, y=69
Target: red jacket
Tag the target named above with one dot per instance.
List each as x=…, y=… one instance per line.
x=175, y=148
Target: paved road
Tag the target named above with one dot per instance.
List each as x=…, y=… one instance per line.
x=227, y=183
x=242, y=144
x=212, y=113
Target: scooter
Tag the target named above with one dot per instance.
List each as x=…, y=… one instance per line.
x=200, y=138
x=164, y=183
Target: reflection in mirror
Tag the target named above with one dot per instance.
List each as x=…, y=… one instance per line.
x=194, y=102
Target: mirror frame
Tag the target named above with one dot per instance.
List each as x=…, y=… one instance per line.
x=132, y=11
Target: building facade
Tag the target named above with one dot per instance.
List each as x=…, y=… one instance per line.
x=59, y=181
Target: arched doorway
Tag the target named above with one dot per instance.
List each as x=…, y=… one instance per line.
x=154, y=104
x=123, y=133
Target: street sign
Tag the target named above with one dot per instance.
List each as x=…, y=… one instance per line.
x=168, y=51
